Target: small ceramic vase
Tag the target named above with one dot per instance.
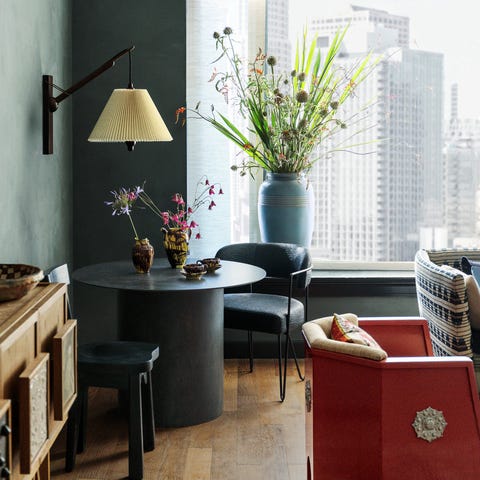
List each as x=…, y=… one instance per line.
x=175, y=242
x=142, y=255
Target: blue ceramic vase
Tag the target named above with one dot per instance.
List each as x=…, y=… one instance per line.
x=286, y=209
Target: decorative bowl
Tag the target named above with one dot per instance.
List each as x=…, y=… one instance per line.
x=211, y=264
x=193, y=275
x=16, y=280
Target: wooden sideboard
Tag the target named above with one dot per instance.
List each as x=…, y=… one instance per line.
x=37, y=378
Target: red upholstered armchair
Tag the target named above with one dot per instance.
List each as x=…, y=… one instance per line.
x=409, y=416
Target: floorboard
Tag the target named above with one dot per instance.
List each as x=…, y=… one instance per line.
x=256, y=438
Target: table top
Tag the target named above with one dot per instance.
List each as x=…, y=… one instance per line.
x=121, y=275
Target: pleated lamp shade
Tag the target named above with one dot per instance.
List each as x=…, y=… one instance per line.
x=130, y=116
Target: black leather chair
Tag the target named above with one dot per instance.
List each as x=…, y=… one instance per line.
x=125, y=366
x=271, y=313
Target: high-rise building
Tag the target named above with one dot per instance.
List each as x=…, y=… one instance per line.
x=372, y=204
x=462, y=181
x=278, y=43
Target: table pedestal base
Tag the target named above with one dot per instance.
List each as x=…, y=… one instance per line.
x=188, y=328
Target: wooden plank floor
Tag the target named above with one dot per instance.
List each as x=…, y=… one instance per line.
x=256, y=438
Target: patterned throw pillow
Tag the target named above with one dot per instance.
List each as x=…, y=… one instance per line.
x=345, y=331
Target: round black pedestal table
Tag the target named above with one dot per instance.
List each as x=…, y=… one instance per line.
x=185, y=318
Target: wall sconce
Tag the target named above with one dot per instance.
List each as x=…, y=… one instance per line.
x=129, y=116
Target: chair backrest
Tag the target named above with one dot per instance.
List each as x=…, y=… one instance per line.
x=279, y=260
x=59, y=274
x=442, y=301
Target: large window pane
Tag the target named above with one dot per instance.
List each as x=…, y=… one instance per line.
x=420, y=187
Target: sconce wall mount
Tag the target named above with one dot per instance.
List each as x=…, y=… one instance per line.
x=129, y=116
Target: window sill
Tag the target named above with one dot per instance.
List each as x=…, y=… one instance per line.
x=362, y=282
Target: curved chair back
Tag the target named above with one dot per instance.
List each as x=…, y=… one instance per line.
x=60, y=274
x=279, y=260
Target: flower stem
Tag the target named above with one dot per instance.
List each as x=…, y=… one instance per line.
x=133, y=226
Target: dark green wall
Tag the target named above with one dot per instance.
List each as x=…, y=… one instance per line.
x=36, y=189
x=100, y=30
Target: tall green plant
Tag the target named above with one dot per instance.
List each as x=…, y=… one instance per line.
x=289, y=114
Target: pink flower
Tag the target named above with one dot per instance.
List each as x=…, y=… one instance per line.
x=178, y=199
x=165, y=217
x=181, y=215
x=198, y=236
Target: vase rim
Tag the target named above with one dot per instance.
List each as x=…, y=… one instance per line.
x=286, y=174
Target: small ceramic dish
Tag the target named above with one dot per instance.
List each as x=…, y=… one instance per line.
x=193, y=275
x=211, y=264
x=213, y=268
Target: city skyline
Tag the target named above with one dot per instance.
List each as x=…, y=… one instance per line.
x=439, y=26
x=375, y=207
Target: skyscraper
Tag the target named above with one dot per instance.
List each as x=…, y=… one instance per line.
x=462, y=181
x=372, y=205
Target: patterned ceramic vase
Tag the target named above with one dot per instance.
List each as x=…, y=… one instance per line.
x=175, y=242
x=142, y=255
x=286, y=209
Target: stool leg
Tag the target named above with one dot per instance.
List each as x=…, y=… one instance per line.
x=82, y=420
x=72, y=435
x=147, y=413
x=135, y=435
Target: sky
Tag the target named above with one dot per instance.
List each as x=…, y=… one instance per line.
x=450, y=27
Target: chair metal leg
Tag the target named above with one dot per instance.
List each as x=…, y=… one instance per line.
x=250, y=349
x=147, y=413
x=281, y=375
x=135, y=434
x=294, y=353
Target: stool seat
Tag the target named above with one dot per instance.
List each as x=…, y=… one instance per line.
x=118, y=357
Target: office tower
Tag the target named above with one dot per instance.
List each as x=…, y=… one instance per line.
x=372, y=205
x=372, y=25
x=278, y=43
x=462, y=181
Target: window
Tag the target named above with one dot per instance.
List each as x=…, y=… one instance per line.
x=415, y=183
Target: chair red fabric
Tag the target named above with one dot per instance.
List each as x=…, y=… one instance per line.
x=360, y=412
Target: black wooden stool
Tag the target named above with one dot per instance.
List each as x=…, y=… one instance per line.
x=127, y=367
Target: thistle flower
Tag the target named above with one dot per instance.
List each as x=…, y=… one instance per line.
x=302, y=77
x=302, y=96
x=272, y=61
x=227, y=31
